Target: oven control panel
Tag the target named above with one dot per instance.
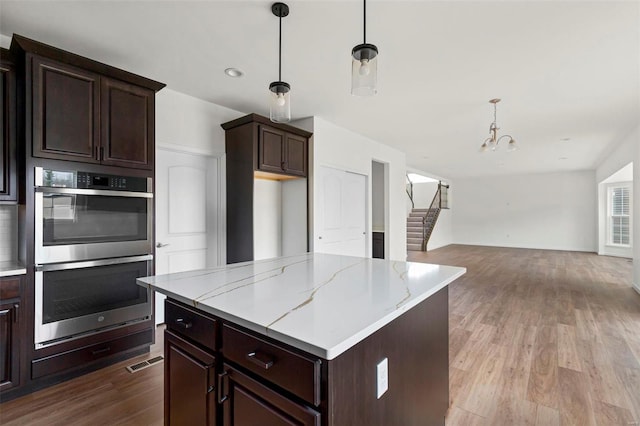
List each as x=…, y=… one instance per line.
x=85, y=180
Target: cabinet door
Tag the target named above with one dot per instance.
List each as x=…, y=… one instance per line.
x=10, y=332
x=128, y=121
x=189, y=383
x=8, y=107
x=65, y=111
x=295, y=162
x=249, y=403
x=270, y=150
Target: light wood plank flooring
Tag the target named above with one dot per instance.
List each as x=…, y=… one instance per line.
x=541, y=338
x=536, y=338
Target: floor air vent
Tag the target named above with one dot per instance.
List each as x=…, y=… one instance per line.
x=144, y=364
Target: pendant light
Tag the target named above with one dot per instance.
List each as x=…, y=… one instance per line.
x=280, y=96
x=364, y=65
x=491, y=143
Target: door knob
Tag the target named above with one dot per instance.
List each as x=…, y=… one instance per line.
x=160, y=245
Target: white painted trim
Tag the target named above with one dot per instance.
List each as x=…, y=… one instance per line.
x=636, y=288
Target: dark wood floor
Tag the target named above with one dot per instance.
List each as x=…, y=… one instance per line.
x=536, y=338
x=541, y=338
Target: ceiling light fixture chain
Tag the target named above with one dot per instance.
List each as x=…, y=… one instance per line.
x=492, y=141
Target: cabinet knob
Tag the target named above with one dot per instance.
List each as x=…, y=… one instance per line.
x=182, y=324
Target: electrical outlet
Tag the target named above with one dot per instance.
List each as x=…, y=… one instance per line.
x=383, y=377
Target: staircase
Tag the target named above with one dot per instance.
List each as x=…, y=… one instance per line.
x=414, y=229
x=421, y=222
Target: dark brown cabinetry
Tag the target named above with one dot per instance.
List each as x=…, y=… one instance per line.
x=65, y=111
x=378, y=245
x=261, y=381
x=190, y=375
x=247, y=402
x=256, y=147
x=10, y=332
x=86, y=111
x=8, y=172
x=81, y=116
x=281, y=152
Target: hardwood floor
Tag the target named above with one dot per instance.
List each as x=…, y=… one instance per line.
x=541, y=338
x=110, y=396
x=536, y=338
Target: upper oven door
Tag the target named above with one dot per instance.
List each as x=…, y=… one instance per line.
x=82, y=224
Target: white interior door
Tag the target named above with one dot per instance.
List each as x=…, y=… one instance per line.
x=186, y=184
x=342, y=212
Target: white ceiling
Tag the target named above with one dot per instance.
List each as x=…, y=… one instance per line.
x=563, y=69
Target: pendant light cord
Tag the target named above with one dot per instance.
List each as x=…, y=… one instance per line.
x=364, y=15
x=280, y=51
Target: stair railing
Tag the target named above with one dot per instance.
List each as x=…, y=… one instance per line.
x=409, y=190
x=436, y=202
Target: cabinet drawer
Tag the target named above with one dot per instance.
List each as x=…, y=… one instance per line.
x=191, y=324
x=9, y=288
x=83, y=356
x=296, y=373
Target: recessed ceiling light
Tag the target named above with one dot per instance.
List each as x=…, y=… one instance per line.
x=563, y=158
x=233, y=72
x=565, y=139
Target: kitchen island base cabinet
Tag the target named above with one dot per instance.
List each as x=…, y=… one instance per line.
x=262, y=381
x=189, y=383
x=247, y=402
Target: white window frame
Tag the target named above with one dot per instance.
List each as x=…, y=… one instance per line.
x=610, y=190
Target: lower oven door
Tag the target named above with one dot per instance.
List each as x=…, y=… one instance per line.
x=74, y=299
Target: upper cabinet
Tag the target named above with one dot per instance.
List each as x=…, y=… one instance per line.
x=8, y=174
x=281, y=152
x=86, y=111
x=275, y=148
x=66, y=121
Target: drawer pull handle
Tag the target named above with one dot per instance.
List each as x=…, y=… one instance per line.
x=185, y=325
x=101, y=351
x=260, y=360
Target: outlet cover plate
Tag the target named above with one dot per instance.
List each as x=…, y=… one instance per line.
x=382, y=382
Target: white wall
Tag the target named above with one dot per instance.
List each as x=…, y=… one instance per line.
x=337, y=147
x=627, y=150
x=547, y=211
x=8, y=233
x=267, y=219
x=192, y=125
x=294, y=217
x=636, y=214
x=377, y=197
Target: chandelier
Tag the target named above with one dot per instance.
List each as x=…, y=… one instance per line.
x=491, y=143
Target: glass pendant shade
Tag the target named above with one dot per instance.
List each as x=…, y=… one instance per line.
x=512, y=146
x=364, y=70
x=280, y=102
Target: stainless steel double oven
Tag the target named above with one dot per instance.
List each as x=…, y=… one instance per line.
x=93, y=238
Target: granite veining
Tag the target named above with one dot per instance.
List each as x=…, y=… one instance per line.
x=320, y=303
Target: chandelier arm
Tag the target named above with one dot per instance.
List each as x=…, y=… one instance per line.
x=502, y=137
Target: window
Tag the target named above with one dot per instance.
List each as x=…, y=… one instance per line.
x=620, y=215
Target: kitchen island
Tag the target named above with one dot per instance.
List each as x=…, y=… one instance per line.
x=313, y=339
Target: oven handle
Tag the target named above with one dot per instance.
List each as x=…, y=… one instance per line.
x=102, y=192
x=92, y=263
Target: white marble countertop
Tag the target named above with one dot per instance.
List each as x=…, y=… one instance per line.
x=320, y=303
x=10, y=268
